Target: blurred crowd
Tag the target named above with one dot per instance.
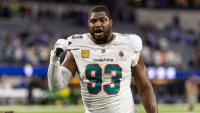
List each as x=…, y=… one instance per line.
x=170, y=4
x=177, y=4
x=28, y=32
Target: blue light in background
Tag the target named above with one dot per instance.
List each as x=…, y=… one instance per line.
x=153, y=72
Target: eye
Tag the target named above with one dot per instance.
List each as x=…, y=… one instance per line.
x=103, y=20
x=92, y=21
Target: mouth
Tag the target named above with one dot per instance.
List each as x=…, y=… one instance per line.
x=98, y=32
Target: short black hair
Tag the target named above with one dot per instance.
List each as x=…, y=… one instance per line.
x=100, y=8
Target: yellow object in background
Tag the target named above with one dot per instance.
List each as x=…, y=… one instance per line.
x=65, y=93
x=75, y=81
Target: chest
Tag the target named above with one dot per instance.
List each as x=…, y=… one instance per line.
x=104, y=55
x=113, y=57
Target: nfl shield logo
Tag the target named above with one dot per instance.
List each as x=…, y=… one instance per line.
x=103, y=51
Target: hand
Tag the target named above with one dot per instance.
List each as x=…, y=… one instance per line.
x=60, y=46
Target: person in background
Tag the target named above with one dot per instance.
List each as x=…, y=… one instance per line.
x=192, y=91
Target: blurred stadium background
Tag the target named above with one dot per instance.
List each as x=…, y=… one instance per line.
x=170, y=30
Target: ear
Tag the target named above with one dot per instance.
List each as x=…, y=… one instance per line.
x=111, y=22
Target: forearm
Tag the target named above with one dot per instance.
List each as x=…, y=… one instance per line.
x=149, y=100
x=58, y=76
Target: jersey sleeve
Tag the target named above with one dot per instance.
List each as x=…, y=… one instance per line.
x=136, y=47
x=135, y=43
x=74, y=41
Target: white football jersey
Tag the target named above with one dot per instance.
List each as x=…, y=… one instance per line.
x=105, y=71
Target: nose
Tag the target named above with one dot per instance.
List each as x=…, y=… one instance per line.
x=98, y=24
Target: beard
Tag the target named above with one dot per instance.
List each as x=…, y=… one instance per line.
x=102, y=39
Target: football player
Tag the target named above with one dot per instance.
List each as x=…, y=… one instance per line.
x=106, y=62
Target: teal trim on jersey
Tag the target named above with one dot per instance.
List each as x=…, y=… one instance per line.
x=94, y=85
x=109, y=89
x=77, y=36
x=73, y=36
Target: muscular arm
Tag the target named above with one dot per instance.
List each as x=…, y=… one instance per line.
x=144, y=86
x=60, y=75
x=70, y=63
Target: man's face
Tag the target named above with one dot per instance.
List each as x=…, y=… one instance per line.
x=99, y=26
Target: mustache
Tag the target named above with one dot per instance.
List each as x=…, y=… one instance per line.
x=98, y=30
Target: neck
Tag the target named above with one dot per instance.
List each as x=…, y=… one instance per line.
x=110, y=38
